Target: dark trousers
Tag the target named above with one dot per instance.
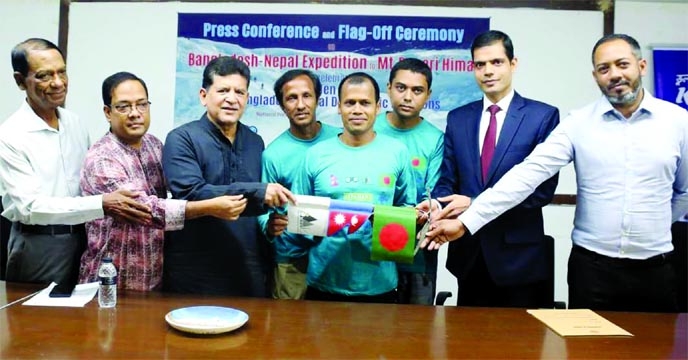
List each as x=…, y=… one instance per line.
x=248, y=278
x=478, y=289
x=679, y=232
x=385, y=298
x=43, y=258
x=416, y=288
x=5, y=226
x=599, y=282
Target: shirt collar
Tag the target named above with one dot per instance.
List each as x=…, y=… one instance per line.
x=216, y=130
x=124, y=146
x=647, y=105
x=650, y=103
x=210, y=126
x=503, y=103
x=34, y=122
x=317, y=135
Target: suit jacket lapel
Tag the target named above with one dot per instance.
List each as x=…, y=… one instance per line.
x=471, y=139
x=512, y=121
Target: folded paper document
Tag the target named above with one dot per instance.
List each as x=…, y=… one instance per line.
x=578, y=322
x=82, y=294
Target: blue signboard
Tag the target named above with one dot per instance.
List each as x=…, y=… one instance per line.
x=671, y=75
x=332, y=46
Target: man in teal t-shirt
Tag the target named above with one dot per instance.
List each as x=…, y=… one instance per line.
x=409, y=90
x=297, y=92
x=358, y=165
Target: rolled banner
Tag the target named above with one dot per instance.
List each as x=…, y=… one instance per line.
x=322, y=216
x=310, y=217
x=394, y=233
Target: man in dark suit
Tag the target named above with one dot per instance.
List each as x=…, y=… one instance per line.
x=505, y=263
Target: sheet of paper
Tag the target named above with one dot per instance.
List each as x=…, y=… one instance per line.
x=578, y=322
x=82, y=294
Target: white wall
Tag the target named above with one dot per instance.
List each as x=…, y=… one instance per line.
x=653, y=24
x=20, y=20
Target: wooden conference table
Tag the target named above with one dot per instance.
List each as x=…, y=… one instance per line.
x=309, y=329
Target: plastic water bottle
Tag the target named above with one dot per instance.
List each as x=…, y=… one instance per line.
x=107, y=274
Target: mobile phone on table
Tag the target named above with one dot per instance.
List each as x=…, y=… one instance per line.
x=62, y=290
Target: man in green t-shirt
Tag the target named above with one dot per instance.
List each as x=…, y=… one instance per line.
x=363, y=166
x=297, y=92
x=409, y=89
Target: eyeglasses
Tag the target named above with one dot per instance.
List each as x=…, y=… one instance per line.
x=125, y=109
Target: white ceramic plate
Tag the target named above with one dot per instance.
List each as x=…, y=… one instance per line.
x=206, y=319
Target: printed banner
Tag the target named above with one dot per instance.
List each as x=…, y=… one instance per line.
x=332, y=46
x=671, y=75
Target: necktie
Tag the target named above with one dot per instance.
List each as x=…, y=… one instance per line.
x=490, y=141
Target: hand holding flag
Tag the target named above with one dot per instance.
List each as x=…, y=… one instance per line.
x=443, y=231
x=457, y=204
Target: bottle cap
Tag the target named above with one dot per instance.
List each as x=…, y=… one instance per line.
x=107, y=259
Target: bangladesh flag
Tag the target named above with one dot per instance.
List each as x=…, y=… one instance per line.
x=394, y=233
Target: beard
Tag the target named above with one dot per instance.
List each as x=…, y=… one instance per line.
x=624, y=99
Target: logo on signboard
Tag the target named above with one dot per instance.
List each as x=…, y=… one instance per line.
x=682, y=94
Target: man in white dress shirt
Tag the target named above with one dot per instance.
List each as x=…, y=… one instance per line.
x=42, y=149
x=630, y=152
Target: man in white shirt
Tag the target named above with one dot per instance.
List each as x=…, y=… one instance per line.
x=42, y=149
x=630, y=152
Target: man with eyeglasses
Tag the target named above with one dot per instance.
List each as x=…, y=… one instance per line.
x=42, y=148
x=128, y=157
x=218, y=155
